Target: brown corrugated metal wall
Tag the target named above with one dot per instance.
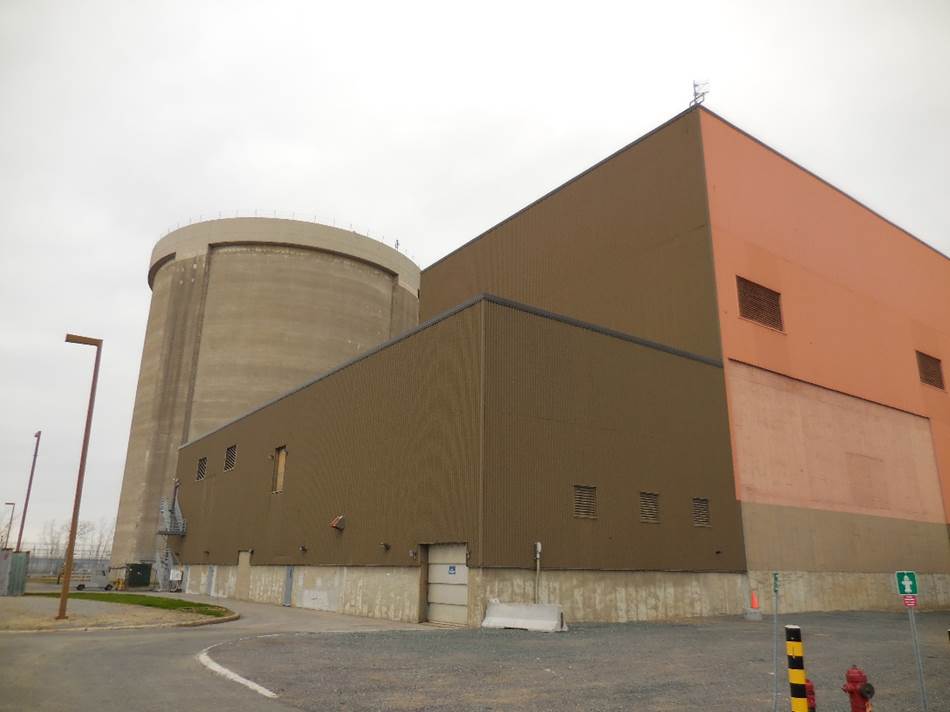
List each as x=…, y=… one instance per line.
x=569, y=406
x=390, y=441
x=624, y=245
x=394, y=442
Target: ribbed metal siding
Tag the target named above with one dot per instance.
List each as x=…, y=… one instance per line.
x=625, y=246
x=390, y=441
x=566, y=405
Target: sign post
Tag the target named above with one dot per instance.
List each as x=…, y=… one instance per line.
x=907, y=588
x=775, y=641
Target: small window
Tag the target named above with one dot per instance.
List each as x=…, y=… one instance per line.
x=280, y=464
x=585, y=501
x=202, y=469
x=650, y=507
x=760, y=304
x=230, y=458
x=930, y=369
x=700, y=512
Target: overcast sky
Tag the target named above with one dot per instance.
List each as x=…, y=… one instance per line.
x=423, y=122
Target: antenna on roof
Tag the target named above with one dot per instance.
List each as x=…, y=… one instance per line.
x=700, y=90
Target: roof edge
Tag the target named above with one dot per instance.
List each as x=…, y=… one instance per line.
x=828, y=183
x=563, y=185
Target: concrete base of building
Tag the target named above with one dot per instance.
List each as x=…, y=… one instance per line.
x=388, y=592
x=801, y=591
x=398, y=592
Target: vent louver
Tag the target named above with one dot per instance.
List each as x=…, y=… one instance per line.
x=931, y=370
x=700, y=512
x=202, y=469
x=760, y=304
x=585, y=501
x=650, y=507
x=230, y=458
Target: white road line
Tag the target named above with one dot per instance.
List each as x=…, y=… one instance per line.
x=206, y=660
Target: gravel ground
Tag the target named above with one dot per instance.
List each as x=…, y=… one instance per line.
x=712, y=665
x=20, y=613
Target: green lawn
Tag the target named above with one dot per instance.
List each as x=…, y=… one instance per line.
x=137, y=599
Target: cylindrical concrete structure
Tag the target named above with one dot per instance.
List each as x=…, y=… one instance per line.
x=243, y=310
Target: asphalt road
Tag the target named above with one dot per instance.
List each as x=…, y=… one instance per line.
x=150, y=669
x=323, y=661
x=720, y=665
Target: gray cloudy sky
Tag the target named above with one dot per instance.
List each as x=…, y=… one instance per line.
x=426, y=122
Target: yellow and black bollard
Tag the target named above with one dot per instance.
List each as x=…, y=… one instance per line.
x=796, y=668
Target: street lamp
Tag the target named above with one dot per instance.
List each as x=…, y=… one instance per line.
x=68, y=565
x=6, y=539
x=19, y=540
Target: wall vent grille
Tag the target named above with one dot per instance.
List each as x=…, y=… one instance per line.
x=760, y=304
x=585, y=501
x=931, y=370
x=700, y=512
x=280, y=464
x=650, y=507
x=230, y=458
x=202, y=469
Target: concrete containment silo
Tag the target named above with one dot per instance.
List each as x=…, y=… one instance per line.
x=243, y=310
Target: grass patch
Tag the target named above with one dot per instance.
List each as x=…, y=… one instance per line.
x=137, y=599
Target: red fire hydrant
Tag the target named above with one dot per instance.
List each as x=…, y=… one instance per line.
x=810, y=694
x=858, y=689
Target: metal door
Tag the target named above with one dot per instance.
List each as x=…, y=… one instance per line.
x=447, y=592
x=288, y=586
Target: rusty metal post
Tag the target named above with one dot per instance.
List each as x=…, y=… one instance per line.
x=29, y=486
x=68, y=566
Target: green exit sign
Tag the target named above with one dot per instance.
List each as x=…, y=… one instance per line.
x=906, y=583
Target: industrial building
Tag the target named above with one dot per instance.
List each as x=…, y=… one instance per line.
x=693, y=365
x=242, y=310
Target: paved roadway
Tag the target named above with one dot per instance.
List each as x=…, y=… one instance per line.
x=719, y=665
x=149, y=669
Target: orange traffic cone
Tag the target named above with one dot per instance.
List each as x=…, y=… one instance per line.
x=752, y=613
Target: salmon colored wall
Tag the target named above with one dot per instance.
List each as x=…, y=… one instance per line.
x=798, y=445
x=859, y=295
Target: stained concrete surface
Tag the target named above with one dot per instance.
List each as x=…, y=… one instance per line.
x=715, y=665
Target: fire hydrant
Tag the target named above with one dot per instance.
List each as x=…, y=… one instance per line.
x=810, y=694
x=858, y=689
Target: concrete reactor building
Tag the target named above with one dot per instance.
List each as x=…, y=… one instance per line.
x=242, y=310
x=692, y=366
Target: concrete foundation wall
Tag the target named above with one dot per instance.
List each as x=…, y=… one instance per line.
x=846, y=591
x=394, y=592
x=388, y=592
x=612, y=596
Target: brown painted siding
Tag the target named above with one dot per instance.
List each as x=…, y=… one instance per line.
x=799, y=539
x=390, y=441
x=625, y=245
x=395, y=442
x=566, y=406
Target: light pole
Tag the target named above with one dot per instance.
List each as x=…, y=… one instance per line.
x=68, y=565
x=6, y=539
x=19, y=540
